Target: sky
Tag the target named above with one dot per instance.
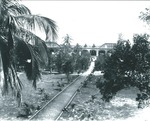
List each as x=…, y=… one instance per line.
x=92, y=22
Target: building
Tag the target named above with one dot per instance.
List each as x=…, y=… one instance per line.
x=97, y=50
x=93, y=50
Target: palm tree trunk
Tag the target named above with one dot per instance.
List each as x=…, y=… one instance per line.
x=0, y=7
x=2, y=79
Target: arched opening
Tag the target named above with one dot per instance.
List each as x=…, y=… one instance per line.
x=109, y=52
x=93, y=52
x=101, y=52
x=84, y=52
x=51, y=50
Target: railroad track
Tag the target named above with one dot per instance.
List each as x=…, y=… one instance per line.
x=71, y=99
x=53, y=109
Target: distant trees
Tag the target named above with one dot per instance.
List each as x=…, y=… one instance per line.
x=99, y=63
x=85, y=60
x=127, y=66
x=85, y=45
x=64, y=59
x=71, y=59
x=76, y=57
x=93, y=45
x=67, y=40
x=145, y=16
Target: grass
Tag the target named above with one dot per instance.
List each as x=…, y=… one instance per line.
x=87, y=106
x=47, y=87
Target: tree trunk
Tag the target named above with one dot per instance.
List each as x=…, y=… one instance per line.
x=67, y=74
x=2, y=79
x=0, y=9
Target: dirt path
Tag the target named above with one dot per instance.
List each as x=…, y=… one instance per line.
x=54, y=108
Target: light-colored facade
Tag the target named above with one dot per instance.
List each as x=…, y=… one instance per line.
x=93, y=50
x=97, y=50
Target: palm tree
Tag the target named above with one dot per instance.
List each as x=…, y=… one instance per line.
x=93, y=45
x=66, y=46
x=18, y=42
x=85, y=45
x=67, y=39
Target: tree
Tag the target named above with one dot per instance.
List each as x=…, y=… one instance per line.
x=115, y=68
x=67, y=66
x=18, y=42
x=99, y=63
x=85, y=45
x=93, y=45
x=127, y=66
x=64, y=59
x=67, y=39
x=76, y=57
x=77, y=49
x=52, y=55
x=145, y=16
x=84, y=60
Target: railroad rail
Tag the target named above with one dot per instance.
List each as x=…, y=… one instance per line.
x=38, y=115
x=54, y=108
x=71, y=99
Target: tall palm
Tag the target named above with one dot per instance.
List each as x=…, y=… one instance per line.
x=66, y=46
x=67, y=39
x=18, y=42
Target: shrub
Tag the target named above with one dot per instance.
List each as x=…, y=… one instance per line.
x=127, y=66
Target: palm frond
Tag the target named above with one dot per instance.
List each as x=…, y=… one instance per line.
x=32, y=69
x=43, y=53
x=14, y=16
x=15, y=84
x=14, y=81
x=44, y=24
x=50, y=30
x=10, y=39
x=8, y=74
x=18, y=9
x=27, y=58
x=38, y=43
x=5, y=3
x=4, y=7
x=13, y=7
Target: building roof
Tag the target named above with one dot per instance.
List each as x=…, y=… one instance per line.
x=108, y=45
x=52, y=44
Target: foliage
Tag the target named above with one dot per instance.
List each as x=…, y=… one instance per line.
x=67, y=66
x=26, y=110
x=52, y=56
x=145, y=16
x=76, y=57
x=70, y=59
x=127, y=66
x=84, y=60
x=93, y=45
x=67, y=40
x=99, y=63
x=64, y=59
x=20, y=46
x=81, y=58
x=59, y=61
x=85, y=45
